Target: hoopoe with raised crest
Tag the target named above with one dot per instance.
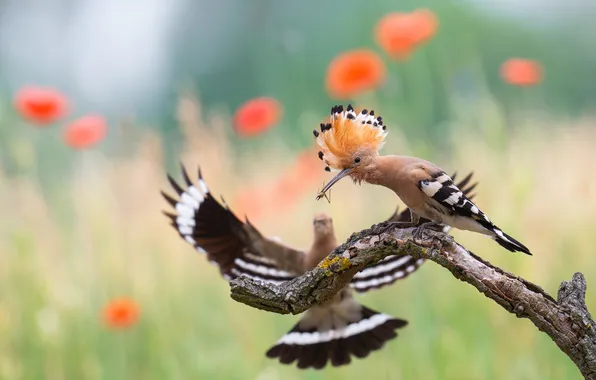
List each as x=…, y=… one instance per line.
x=333, y=331
x=350, y=143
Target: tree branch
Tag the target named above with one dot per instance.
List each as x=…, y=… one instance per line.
x=566, y=320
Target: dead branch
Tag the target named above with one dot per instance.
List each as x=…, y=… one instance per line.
x=566, y=320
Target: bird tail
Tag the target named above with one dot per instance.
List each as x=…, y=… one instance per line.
x=508, y=242
x=334, y=333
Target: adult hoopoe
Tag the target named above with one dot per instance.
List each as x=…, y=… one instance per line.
x=350, y=142
x=333, y=331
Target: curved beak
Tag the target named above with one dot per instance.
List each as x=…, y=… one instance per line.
x=344, y=173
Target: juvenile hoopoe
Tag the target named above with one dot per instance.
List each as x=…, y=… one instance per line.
x=350, y=142
x=327, y=332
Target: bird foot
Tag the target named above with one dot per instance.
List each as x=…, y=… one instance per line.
x=400, y=225
x=419, y=231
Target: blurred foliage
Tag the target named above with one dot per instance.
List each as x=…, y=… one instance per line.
x=286, y=48
x=282, y=50
x=102, y=236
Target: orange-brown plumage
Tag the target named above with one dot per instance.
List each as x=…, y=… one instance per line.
x=350, y=143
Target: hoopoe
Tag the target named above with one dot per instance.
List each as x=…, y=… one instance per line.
x=333, y=331
x=350, y=143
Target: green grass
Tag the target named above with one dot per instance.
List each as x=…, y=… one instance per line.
x=66, y=253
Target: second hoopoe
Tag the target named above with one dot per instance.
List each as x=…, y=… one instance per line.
x=350, y=143
x=333, y=331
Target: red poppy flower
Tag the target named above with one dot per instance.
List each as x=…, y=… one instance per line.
x=353, y=72
x=257, y=116
x=121, y=313
x=400, y=33
x=298, y=179
x=305, y=171
x=282, y=194
x=521, y=72
x=40, y=105
x=85, y=132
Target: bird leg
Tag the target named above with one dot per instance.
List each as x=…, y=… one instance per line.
x=418, y=232
x=414, y=220
x=400, y=225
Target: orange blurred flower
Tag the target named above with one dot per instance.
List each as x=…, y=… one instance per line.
x=521, y=72
x=121, y=313
x=353, y=72
x=400, y=33
x=40, y=105
x=257, y=116
x=85, y=132
x=303, y=175
x=282, y=194
x=252, y=202
x=305, y=171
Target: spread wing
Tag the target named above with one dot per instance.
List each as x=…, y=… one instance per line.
x=393, y=268
x=237, y=248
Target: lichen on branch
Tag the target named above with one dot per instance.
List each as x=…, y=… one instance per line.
x=566, y=320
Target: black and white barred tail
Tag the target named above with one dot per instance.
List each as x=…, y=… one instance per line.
x=507, y=241
x=313, y=345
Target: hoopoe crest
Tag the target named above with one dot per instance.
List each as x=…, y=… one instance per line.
x=347, y=134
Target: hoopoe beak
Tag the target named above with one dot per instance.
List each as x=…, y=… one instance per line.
x=344, y=173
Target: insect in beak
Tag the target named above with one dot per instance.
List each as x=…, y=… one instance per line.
x=344, y=173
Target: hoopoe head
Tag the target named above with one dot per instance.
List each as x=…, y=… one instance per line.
x=323, y=225
x=350, y=142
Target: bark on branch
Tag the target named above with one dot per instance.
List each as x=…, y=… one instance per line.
x=566, y=320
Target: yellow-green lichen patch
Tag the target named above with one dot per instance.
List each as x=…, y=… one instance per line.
x=334, y=265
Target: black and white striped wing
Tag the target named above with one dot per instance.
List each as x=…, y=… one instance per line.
x=385, y=272
x=441, y=189
x=448, y=199
x=394, y=268
x=212, y=228
x=465, y=187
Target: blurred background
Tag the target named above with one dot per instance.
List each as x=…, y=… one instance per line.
x=99, y=99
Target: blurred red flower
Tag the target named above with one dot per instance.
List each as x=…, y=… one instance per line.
x=521, y=72
x=257, y=116
x=252, y=202
x=282, y=194
x=299, y=179
x=121, y=313
x=400, y=33
x=85, y=132
x=305, y=170
x=353, y=72
x=40, y=105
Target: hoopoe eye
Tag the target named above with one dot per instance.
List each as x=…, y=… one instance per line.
x=357, y=160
